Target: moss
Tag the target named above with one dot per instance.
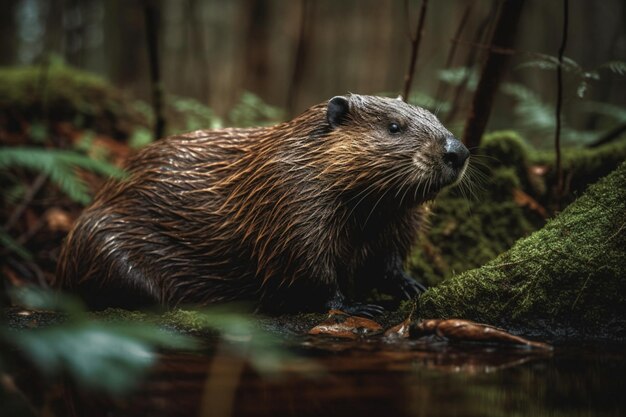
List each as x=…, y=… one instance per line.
x=466, y=234
x=565, y=279
x=581, y=166
x=59, y=93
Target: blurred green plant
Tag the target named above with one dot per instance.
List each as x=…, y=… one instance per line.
x=195, y=114
x=253, y=111
x=54, y=92
x=112, y=350
x=582, y=77
x=111, y=357
x=537, y=117
x=59, y=166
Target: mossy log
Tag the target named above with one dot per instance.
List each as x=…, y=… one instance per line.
x=565, y=281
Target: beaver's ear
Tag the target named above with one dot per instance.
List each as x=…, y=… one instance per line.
x=338, y=109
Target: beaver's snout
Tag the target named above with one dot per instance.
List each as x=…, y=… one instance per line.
x=455, y=153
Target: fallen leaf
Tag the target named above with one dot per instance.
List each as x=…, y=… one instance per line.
x=465, y=330
x=342, y=325
x=524, y=200
x=399, y=331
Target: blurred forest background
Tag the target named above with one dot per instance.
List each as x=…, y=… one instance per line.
x=293, y=54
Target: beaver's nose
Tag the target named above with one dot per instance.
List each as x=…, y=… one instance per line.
x=456, y=153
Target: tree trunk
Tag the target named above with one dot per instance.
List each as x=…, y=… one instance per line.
x=493, y=69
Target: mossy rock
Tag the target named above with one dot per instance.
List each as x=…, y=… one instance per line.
x=40, y=95
x=466, y=233
x=567, y=280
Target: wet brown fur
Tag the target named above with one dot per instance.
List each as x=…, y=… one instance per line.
x=281, y=215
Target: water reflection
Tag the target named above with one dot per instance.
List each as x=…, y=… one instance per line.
x=373, y=378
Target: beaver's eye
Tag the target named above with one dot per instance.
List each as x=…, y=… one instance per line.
x=393, y=128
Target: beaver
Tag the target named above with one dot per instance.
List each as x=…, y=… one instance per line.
x=288, y=216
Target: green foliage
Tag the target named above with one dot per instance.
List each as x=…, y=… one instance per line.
x=582, y=76
x=252, y=111
x=459, y=75
x=140, y=137
x=536, y=117
x=59, y=166
x=195, y=114
x=106, y=356
x=243, y=332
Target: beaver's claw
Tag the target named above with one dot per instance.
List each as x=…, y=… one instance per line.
x=408, y=288
x=362, y=310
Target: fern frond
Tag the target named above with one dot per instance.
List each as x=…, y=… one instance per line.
x=532, y=111
x=59, y=166
x=455, y=76
x=549, y=62
x=617, y=67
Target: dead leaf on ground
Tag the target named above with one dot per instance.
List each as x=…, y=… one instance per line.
x=465, y=330
x=342, y=325
x=524, y=200
x=399, y=331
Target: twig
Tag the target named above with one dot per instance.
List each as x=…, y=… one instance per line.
x=415, y=41
x=480, y=34
x=609, y=136
x=151, y=15
x=559, y=103
x=492, y=72
x=304, y=36
x=442, y=87
x=28, y=197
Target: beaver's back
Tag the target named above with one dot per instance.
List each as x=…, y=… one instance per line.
x=145, y=238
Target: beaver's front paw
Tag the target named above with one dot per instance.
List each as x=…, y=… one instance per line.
x=404, y=287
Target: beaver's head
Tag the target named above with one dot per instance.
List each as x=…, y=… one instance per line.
x=386, y=145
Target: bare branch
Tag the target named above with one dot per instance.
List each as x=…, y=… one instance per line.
x=415, y=41
x=151, y=15
x=492, y=72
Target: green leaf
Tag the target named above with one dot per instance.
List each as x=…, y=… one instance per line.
x=582, y=89
x=456, y=76
x=40, y=299
x=617, y=67
x=99, y=355
x=549, y=62
x=59, y=166
x=140, y=138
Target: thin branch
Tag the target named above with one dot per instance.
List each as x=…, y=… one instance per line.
x=481, y=34
x=442, y=87
x=28, y=198
x=151, y=15
x=415, y=41
x=492, y=73
x=559, y=104
x=609, y=136
x=302, y=52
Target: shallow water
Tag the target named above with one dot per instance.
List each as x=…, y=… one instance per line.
x=404, y=378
